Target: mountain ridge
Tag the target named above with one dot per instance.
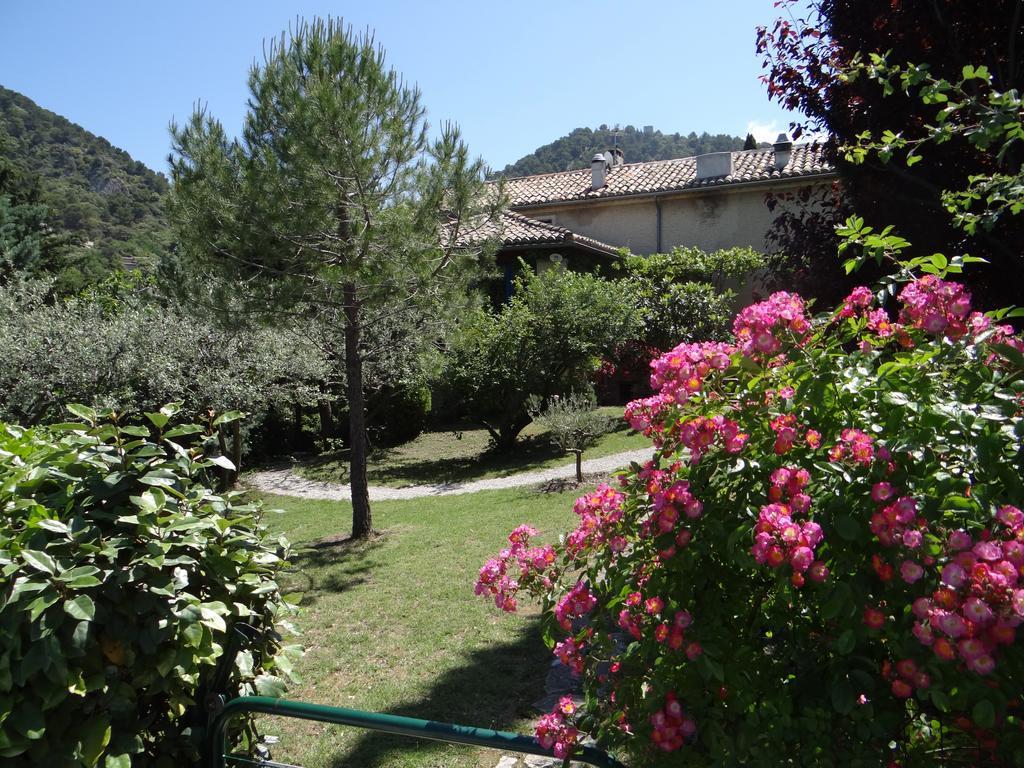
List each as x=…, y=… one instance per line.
x=109, y=202
x=576, y=149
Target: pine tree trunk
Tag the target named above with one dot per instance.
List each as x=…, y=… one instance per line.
x=362, y=521
x=326, y=418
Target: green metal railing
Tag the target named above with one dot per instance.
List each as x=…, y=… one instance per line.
x=395, y=724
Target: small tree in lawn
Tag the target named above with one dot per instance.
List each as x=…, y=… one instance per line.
x=573, y=424
x=549, y=338
x=333, y=204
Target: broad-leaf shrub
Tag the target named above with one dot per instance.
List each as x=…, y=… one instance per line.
x=120, y=573
x=547, y=340
x=820, y=563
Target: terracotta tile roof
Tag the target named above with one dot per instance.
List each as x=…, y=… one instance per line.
x=663, y=176
x=515, y=230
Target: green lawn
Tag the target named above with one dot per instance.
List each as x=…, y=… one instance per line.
x=392, y=625
x=458, y=457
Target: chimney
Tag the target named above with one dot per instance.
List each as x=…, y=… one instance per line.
x=783, y=149
x=714, y=164
x=614, y=156
x=598, y=167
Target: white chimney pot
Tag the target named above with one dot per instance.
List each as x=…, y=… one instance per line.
x=598, y=169
x=783, y=151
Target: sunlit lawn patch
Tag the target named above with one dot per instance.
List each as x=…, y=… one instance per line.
x=392, y=625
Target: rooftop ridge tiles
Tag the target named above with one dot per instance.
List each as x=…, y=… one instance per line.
x=764, y=151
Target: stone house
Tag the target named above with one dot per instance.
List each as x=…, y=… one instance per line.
x=581, y=219
x=718, y=200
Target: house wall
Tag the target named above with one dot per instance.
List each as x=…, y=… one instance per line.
x=715, y=220
x=629, y=223
x=709, y=219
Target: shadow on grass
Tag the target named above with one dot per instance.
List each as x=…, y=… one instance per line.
x=331, y=566
x=493, y=690
x=531, y=452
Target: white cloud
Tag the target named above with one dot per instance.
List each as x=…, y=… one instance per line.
x=770, y=131
x=764, y=131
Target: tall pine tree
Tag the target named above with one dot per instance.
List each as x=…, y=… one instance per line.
x=334, y=203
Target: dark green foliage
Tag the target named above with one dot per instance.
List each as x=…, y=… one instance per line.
x=120, y=573
x=802, y=242
x=808, y=54
x=725, y=268
x=118, y=346
x=750, y=142
x=687, y=295
x=578, y=148
x=397, y=414
x=111, y=204
x=547, y=340
x=28, y=245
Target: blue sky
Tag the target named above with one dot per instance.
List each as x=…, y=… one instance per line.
x=514, y=75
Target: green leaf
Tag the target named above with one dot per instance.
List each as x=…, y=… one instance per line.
x=95, y=735
x=82, y=576
x=82, y=412
x=39, y=560
x=846, y=642
x=984, y=714
x=80, y=637
x=843, y=696
x=118, y=761
x=183, y=429
x=160, y=477
x=221, y=461
x=1010, y=353
x=227, y=417
x=27, y=719
x=847, y=527
x=270, y=685
x=55, y=526
x=896, y=398
x=159, y=420
x=25, y=586
x=939, y=699
x=171, y=409
x=81, y=608
x=150, y=501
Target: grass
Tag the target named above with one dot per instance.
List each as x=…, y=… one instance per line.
x=391, y=625
x=462, y=456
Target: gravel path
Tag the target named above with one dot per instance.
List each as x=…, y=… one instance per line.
x=287, y=482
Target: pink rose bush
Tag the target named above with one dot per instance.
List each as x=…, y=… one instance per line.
x=822, y=563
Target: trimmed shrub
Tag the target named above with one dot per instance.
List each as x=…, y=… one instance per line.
x=821, y=563
x=548, y=339
x=120, y=575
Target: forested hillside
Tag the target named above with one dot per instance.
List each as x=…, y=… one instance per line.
x=107, y=202
x=577, y=149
